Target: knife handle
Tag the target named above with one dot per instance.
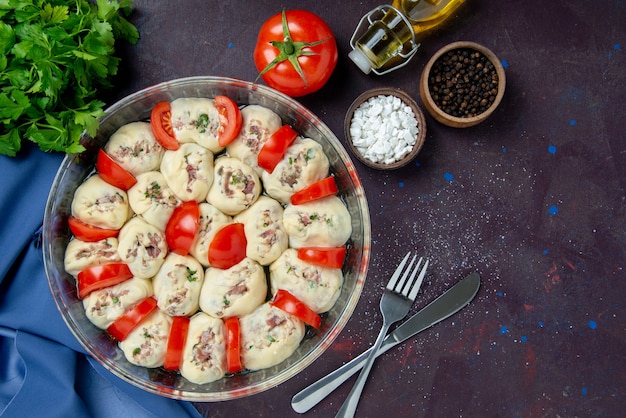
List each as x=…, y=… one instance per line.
x=313, y=394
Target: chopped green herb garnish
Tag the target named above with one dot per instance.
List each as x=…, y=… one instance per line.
x=153, y=191
x=238, y=178
x=202, y=123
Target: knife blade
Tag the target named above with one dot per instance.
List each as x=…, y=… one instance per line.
x=446, y=305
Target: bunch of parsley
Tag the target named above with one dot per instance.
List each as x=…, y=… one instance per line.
x=54, y=57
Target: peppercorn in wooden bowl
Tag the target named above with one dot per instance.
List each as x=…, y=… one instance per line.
x=385, y=128
x=462, y=84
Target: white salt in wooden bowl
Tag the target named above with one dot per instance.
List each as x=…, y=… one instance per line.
x=364, y=133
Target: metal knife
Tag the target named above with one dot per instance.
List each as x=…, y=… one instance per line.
x=446, y=305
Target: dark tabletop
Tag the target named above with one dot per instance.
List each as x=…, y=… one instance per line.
x=532, y=199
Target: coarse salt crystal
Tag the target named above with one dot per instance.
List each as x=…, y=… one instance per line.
x=384, y=129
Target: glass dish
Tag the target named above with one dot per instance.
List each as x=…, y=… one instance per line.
x=75, y=168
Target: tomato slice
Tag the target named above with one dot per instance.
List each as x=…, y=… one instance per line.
x=132, y=318
x=182, y=227
x=161, y=123
x=101, y=276
x=230, y=120
x=228, y=246
x=176, y=343
x=327, y=257
x=274, y=148
x=317, y=190
x=287, y=302
x=113, y=173
x=233, y=354
x=89, y=233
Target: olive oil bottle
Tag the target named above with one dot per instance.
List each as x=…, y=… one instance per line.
x=390, y=40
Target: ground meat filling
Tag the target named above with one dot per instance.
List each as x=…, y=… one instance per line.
x=103, y=249
x=203, y=350
x=255, y=135
x=142, y=147
x=234, y=181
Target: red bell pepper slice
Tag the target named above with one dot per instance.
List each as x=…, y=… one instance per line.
x=228, y=246
x=161, y=123
x=89, y=233
x=182, y=227
x=317, y=190
x=132, y=318
x=230, y=120
x=233, y=343
x=287, y=302
x=327, y=257
x=273, y=150
x=176, y=343
x=113, y=173
x=101, y=276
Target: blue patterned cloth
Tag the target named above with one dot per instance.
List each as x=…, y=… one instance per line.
x=44, y=372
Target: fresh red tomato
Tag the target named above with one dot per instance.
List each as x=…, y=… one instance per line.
x=176, y=342
x=113, y=173
x=274, y=148
x=327, y=257
x=233, y=354
x=296, y=52
x=101, y=276
x=161, y=123
x=132, y=318
x=323, y=188
x=230, y=120
x=89, y=233
x=228, y=246
x=182, y=227
x=287, y=302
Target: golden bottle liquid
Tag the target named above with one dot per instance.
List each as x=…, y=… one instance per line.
x=395, y=32
x=426, y=14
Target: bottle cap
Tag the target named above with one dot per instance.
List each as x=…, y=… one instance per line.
x=360, y=59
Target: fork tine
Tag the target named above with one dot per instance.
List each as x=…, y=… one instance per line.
x=401, y=284
x=407, y=284
x=396, y=274
x=418, y=283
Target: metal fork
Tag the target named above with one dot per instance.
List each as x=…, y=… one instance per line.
x=395, y=303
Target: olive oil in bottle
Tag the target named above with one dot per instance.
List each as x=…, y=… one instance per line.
x=390, y=41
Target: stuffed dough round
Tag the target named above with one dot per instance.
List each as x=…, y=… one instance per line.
x=321, y=223
x=177, y=285
x=204, y=355
x=235, y=291
x=195, y=119
x=146, y=345
x=265, y=235
x=268, y=336
x=236, y=186
x=143, y=247
x=317, y=286
x=100, y=204
x=188, y=171
x=153, y=199
x=259, y=123
x=134, y=147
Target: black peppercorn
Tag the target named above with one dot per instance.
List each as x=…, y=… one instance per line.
x=462, y=83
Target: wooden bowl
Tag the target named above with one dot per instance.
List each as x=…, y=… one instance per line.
x=417, y=113
x=435, y=109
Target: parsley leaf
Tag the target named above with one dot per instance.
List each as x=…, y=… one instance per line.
x=55, y=57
